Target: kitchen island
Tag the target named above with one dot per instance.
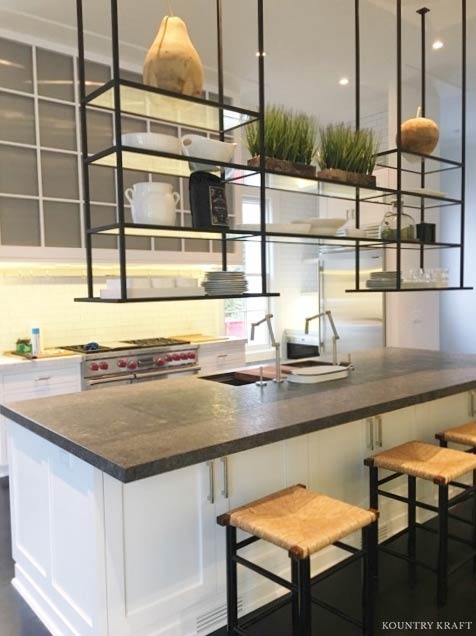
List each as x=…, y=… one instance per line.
x=115, y=493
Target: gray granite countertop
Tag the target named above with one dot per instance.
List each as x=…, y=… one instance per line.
x=133, y=432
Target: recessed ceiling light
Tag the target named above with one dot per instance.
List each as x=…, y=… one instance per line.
x=344, y=81
x=437, y=44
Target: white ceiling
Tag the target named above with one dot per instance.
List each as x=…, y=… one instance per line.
x=309, y=44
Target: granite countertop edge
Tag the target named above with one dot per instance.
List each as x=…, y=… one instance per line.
x=179, y=460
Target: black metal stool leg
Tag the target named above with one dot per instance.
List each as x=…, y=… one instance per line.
x=443, y=545
x=369, y=547
x=474, y=515
x=302, y=625
x=373, y=500
x=412, y=526
x=231, y=580
x=295, y=595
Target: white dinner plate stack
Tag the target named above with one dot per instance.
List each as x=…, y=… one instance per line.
x=225, y=283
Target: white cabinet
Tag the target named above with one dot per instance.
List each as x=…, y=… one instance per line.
x=160, y=538
x=38, y=379
x=221, y=356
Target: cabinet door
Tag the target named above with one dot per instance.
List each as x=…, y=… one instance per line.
x=253, y=474
x=160, y=538
x=336, y=462
x=3, y=438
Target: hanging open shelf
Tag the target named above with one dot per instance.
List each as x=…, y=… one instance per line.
x=155, y=103
x=120, y=96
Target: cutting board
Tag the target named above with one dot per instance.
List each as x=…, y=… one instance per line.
x=48, y=353
x=197, y=338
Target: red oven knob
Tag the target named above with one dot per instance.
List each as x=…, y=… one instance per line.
x=104, y=366
x=169, y=358
x=94, y=366
x=176, y=356
x=122, y=364
x=160, y=362
x=191, y=355
x=132, y=365
x=183, y=356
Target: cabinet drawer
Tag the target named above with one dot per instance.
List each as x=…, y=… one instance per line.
x=41, y=382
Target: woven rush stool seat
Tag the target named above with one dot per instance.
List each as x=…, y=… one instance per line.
x=426, y=461
x=465, y=434
x=443, y=466
x=301, y=522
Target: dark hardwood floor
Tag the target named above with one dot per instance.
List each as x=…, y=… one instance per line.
x=397, y=600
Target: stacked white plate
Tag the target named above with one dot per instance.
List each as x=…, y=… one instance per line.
x=225, y=283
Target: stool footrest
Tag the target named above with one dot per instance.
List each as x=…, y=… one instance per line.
x=467, y=542
x=418, y=504
x=337, y=612
x=462, y=562
x=258, y=615
x=469, y=522
x=259, y=570
x=405, y=557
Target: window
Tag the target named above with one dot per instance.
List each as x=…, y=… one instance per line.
x=239, y=314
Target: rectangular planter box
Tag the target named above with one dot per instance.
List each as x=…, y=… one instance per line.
x=287, y=167
x=349, y=178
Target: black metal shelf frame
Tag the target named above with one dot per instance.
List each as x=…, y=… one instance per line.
x=115, y=88
x=447, y=164
x=118, y=156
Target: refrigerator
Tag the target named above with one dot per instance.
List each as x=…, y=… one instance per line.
x=359, y=318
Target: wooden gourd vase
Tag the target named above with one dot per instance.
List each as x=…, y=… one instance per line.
x=172, y=62
x=419, y=135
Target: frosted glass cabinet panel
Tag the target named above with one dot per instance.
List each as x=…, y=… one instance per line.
x=60, y=175
x=19, y=222
x=55, y=75
x=18, y=174
x=57, y=125
x=62, y=224
x=17, y=119
x=16, y=73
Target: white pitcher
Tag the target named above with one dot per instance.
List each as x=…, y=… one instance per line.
x=153, y=203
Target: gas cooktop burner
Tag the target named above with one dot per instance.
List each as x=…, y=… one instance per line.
x=90, y=347
x=156, y=342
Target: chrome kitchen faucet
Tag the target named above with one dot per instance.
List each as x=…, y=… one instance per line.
x=276, y=345
x=335, y=337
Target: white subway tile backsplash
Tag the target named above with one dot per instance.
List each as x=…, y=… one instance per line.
x=49, y=301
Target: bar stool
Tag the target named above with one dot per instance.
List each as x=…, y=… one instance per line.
x=302, y=522
x=442, y=466
x=464, y=435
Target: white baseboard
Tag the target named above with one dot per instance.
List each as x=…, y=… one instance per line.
x=33, y=597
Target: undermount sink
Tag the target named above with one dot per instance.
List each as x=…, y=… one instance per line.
x=304, y=364
x=232, y=378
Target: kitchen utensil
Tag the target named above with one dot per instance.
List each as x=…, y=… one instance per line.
x=152, y=141
x=153, y=202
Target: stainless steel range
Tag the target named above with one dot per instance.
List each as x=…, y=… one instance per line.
x=130, y=361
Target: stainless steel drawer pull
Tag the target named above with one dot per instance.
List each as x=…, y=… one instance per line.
x=211, y=482
x=226, y=490
x=222, y=355
x=379, y=431
x=44, y=378
x=472, y=407
x=370, y=430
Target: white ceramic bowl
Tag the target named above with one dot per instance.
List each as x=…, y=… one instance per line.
x=210, y=149
x=163, y=282
x=152, y=141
